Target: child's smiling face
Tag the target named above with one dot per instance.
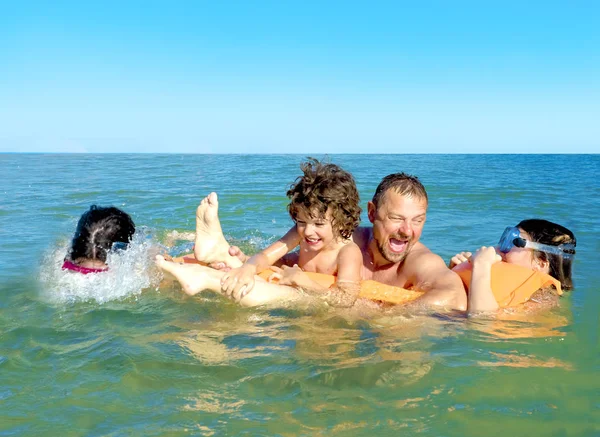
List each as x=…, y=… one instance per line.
x=315, y=233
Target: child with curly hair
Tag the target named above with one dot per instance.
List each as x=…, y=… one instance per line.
x=324, y=204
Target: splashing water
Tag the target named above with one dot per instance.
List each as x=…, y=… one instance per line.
x=129, y=273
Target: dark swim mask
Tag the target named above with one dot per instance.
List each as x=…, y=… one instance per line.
x=511, y=237
x=119, y=245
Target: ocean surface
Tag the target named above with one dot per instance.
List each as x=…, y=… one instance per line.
x=128, y=354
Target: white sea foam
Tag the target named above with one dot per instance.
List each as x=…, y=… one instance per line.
x=130, y=272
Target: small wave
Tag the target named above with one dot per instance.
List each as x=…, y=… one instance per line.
x=130, y=272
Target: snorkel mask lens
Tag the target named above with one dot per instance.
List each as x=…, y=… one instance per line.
x=119, y=245
x=507, y=240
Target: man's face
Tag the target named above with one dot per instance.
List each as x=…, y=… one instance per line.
x=397, y=224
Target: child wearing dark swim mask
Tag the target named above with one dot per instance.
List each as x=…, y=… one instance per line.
x=99, y=230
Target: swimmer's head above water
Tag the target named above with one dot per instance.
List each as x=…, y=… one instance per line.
x=398, y=212
x=541, y=243
x=99, y=230
x=326, y=190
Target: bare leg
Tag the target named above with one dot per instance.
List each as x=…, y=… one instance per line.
x=195, y=278
x=210, y=245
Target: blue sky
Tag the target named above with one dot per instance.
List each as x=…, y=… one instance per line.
x=303, y=77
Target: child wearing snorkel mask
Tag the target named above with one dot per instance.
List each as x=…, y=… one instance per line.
x=99, y=230
x=535, y=244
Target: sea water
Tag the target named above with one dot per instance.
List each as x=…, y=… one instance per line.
x=125, y=353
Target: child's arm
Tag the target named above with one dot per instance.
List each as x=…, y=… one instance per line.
x=481, y=298
x=346, y=289
x=241, y=280
x=295, y=277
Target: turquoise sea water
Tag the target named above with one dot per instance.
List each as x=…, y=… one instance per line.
x=129, y=356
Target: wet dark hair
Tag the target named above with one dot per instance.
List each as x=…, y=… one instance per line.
x=401, y=183
x=97, y=230
x=546, y=232
x=323, y=187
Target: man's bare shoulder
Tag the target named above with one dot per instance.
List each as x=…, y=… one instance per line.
x=422, y=258
x=420, y=251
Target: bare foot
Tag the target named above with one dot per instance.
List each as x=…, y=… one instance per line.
x=210, y=245
x=193, y=277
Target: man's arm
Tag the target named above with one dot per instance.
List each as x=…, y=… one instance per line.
x=443, y=287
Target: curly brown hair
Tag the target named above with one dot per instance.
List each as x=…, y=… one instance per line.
x=326, y=187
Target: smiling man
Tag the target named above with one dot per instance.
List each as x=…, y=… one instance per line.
x=392, y=252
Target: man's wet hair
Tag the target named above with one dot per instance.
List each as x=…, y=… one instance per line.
x=403, y=184
x=322, y=187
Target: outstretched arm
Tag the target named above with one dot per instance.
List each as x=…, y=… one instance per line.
x=241, y=280
x=343, y=292
x=235, y=252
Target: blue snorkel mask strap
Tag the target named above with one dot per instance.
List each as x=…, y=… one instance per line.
x=511, y=237
x=565, y=250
